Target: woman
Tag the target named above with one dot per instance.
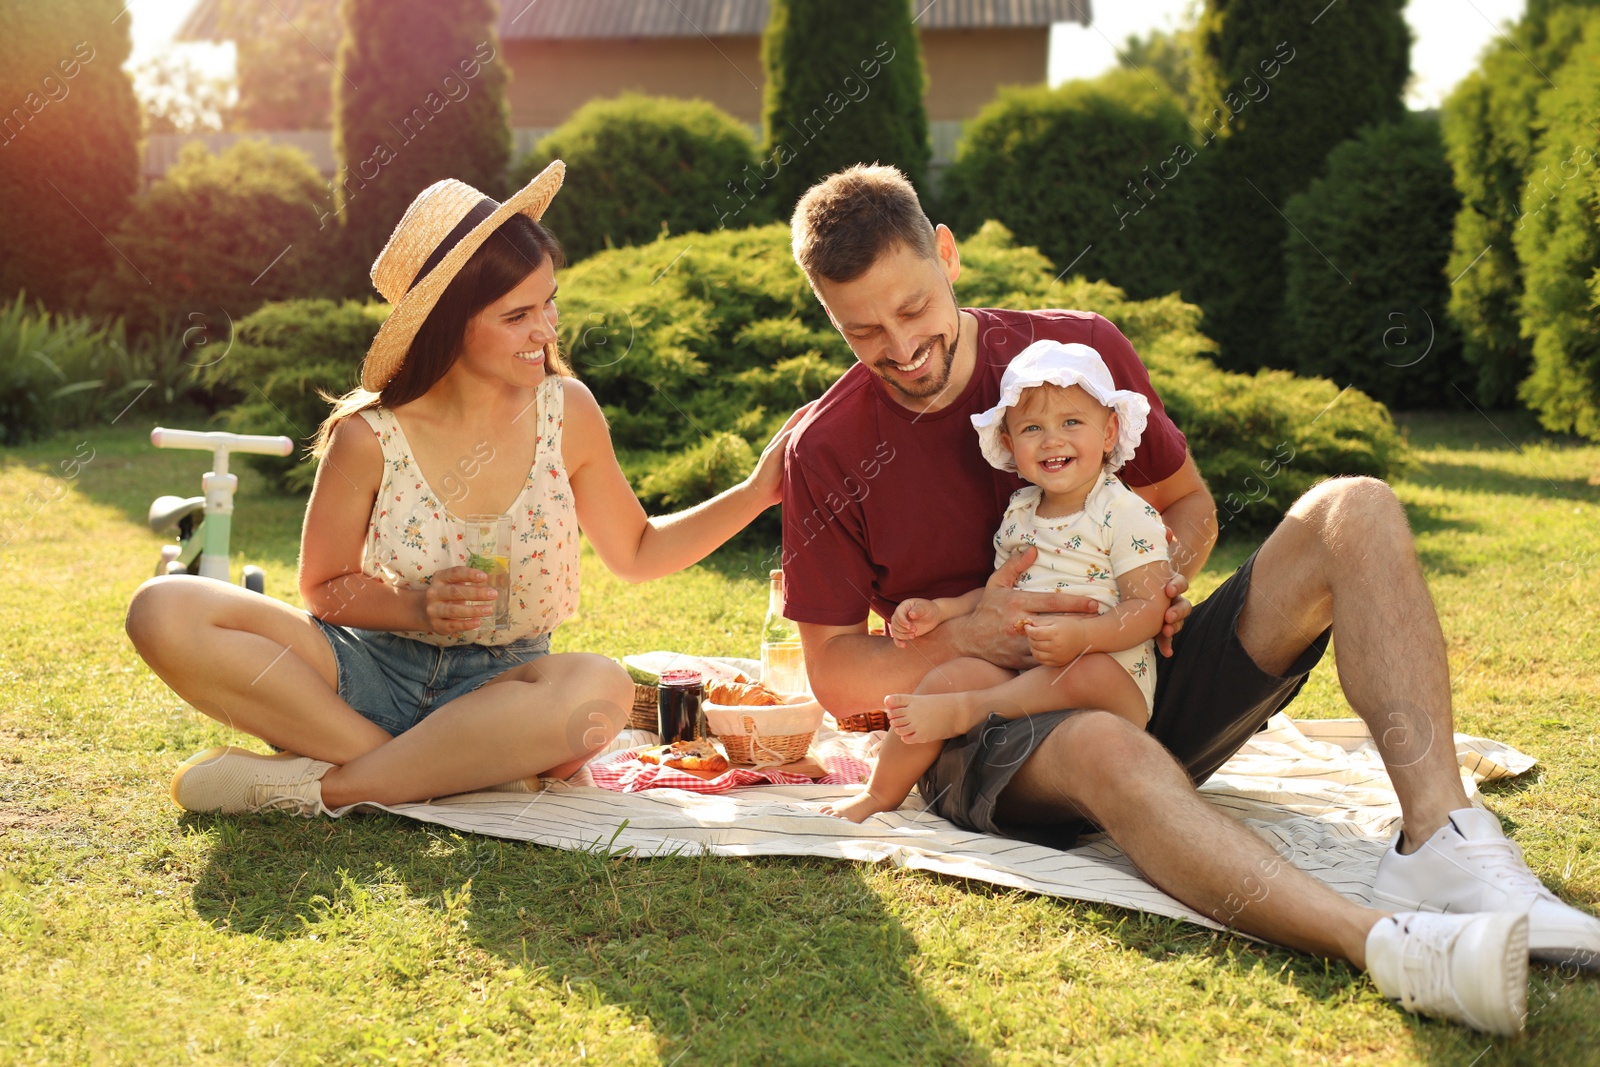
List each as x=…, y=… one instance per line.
x=392, y=688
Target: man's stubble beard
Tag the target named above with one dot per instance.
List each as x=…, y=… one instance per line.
x=931, y=386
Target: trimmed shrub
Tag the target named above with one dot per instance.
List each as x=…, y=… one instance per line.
x=1491, y=146
x=693, y=338
x=1383, y=214
x=844, y=86
x=216, y=238
x=420, y=96
x=60, y=372
x=641, y=166
x=70, y=135
x=1059, y=164
x=1558, y=243
x=283, y=357
x=1345, y=72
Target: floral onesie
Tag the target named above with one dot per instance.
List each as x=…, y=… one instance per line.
x=1083, y=553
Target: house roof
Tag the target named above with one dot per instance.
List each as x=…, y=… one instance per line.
x=589, y=19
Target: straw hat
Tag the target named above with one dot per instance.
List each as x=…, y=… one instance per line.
x=444, y=225
x=1065, y=365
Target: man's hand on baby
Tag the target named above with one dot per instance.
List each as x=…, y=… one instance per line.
x=996, y=629
x=912, y=619
x=1177, y=611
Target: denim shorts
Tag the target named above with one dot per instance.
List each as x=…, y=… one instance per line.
x=397, y=682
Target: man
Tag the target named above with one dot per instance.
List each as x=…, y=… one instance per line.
x=887, y=496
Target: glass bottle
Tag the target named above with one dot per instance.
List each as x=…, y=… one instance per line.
x=783, y=665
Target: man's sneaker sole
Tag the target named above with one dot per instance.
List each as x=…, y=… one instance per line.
x=1516, y=971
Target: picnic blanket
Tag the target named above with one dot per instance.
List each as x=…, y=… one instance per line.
x=1314, y=789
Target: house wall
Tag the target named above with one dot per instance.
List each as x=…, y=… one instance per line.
x=552, y=79
x=966, y=68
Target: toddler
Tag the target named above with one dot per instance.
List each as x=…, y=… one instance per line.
x=1061, y=424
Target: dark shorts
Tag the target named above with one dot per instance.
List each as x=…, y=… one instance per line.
x=397, y=681
x=1210, y=697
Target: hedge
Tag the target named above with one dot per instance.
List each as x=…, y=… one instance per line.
x=283, y=357
x=844, y=85
x=419, y=96
x=1064, y=165
x=1367, y=293
x=218, y=236
x=639, y=167
x=1491, y=143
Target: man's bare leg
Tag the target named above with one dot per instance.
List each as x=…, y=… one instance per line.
x=1098, y=766
x=1344, y=556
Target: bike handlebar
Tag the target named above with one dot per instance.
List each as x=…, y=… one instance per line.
x=211, y=441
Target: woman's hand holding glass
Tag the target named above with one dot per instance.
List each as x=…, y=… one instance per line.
x=456, y=600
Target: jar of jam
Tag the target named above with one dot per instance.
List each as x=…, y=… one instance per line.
x=678, y=706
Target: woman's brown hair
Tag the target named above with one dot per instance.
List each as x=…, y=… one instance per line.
x=515, y=250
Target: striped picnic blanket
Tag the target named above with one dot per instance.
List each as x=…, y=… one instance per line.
x=1314, y=789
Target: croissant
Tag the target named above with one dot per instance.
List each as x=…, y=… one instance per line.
x=745, y=694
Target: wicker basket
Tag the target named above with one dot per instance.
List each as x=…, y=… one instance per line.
x=643, y=716
x=765, y=736
x=752, y=748
x=865, y=722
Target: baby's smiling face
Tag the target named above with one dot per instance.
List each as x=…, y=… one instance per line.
x=1060, y=438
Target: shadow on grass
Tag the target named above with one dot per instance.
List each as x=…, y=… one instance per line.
x=1475, y=478
x=731, y=960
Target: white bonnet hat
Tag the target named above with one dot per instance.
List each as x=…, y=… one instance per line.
x=1066, y=365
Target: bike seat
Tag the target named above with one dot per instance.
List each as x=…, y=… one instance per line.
x=168, y=511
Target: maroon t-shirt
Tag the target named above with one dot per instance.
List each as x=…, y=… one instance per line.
x=881, y=503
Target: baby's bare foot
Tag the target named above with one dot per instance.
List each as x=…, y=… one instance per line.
x=858, y=809
x=923, y=717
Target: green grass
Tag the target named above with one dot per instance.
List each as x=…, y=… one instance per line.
x=134, y=933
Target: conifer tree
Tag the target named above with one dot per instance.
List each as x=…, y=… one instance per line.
x=844, y=85
x=1491, y=136
x=419, y=96
x=69, y=145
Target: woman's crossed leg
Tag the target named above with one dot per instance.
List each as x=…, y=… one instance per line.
x=266, y=669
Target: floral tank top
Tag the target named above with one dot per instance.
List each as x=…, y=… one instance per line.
x=412, y=534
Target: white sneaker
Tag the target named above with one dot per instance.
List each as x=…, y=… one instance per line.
x=234, y=780
x=1470, y=969
x=1469, y=865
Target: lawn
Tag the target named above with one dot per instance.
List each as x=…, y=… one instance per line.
x=135, y=933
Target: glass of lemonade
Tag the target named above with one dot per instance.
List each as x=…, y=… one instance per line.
x=488, y=544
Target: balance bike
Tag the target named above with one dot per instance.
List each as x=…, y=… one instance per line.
x=204, y=522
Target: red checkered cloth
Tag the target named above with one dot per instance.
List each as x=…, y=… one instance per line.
x=624, y=772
